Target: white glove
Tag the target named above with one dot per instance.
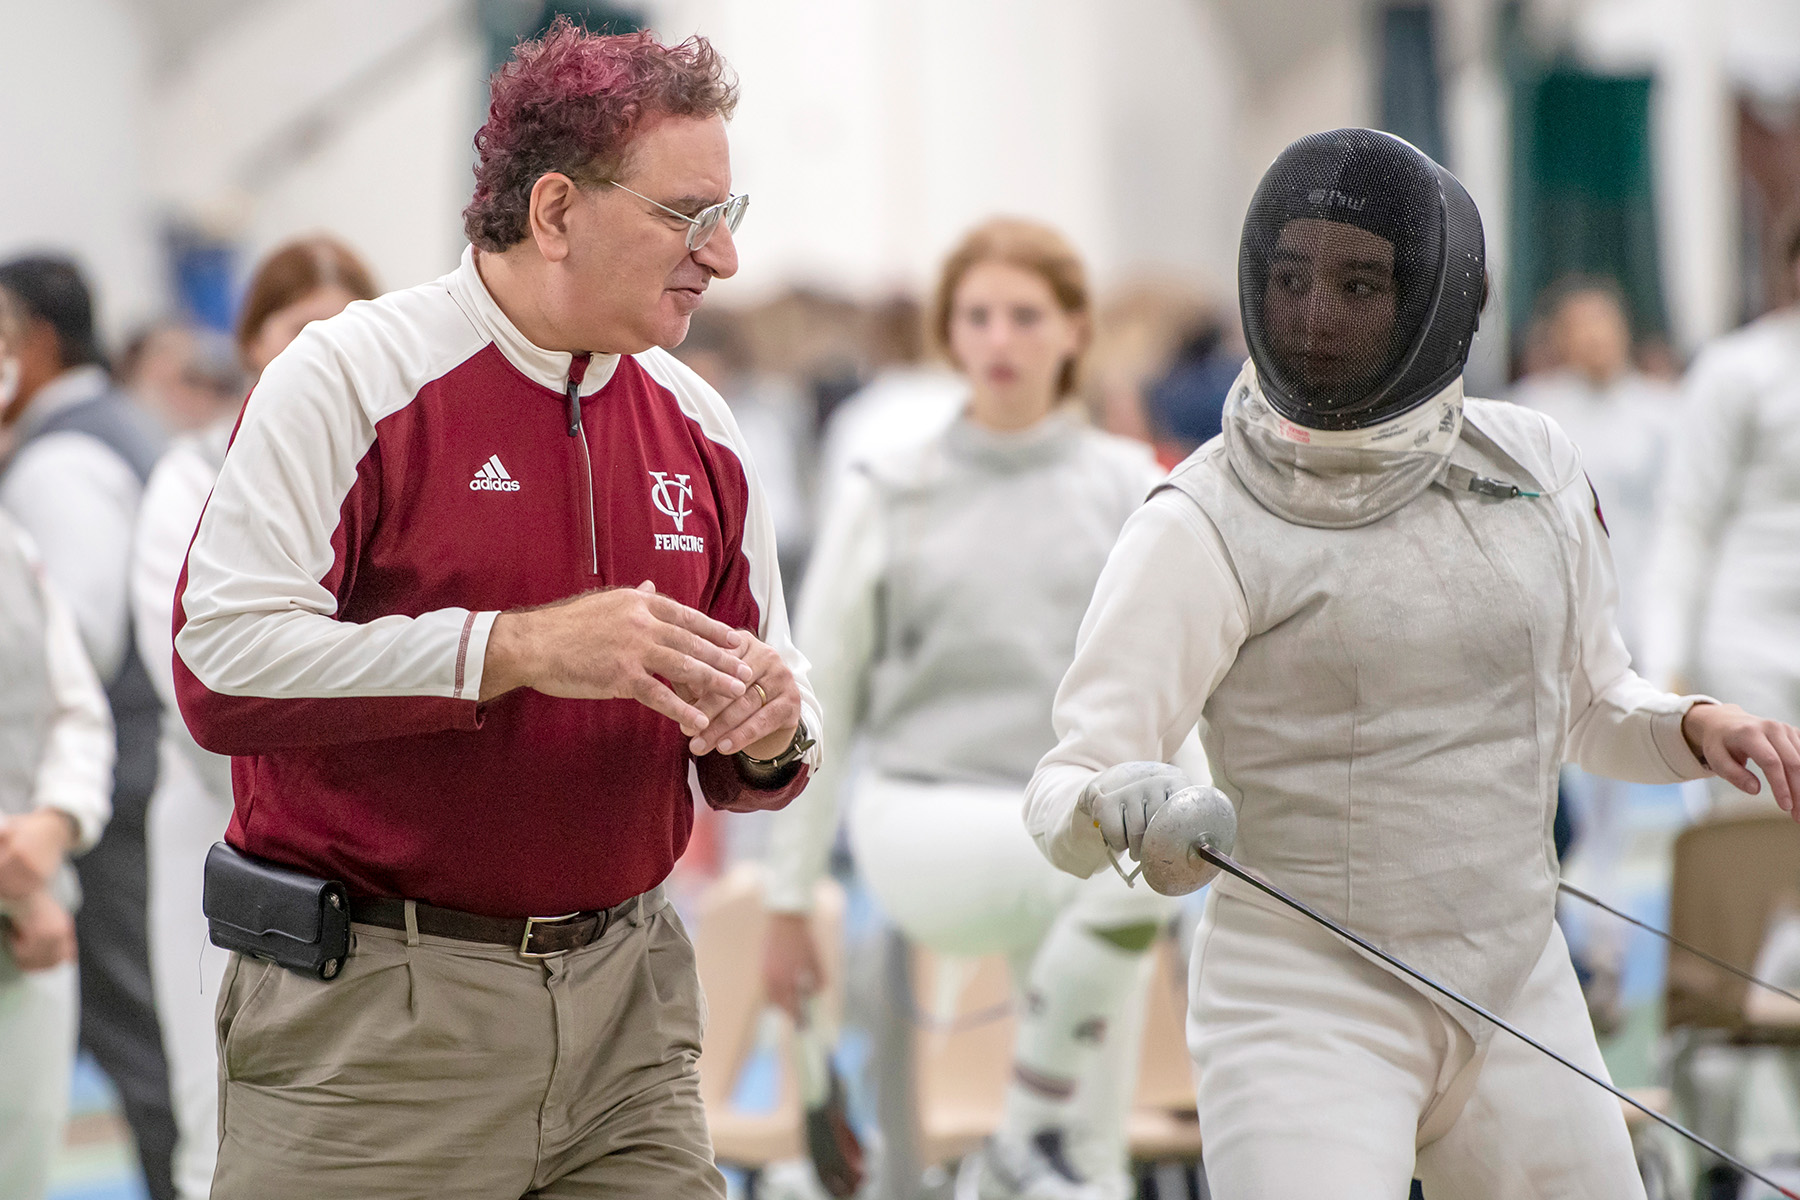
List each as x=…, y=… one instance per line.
x=1122, y=799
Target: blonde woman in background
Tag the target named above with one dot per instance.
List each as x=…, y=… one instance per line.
x=308, y=280
x=939, y=611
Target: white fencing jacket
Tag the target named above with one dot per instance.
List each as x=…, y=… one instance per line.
x=1387, y=705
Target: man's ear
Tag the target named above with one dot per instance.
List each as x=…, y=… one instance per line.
x=553, y=197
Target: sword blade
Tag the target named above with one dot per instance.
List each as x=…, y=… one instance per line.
x=1677, y=942
x=1230, y=866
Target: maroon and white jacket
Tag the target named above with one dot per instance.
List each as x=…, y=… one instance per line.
x=403, y=473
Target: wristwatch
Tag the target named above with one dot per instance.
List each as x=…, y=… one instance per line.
x=799, y=746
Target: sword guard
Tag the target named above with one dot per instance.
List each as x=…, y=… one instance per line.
x=1193, y=817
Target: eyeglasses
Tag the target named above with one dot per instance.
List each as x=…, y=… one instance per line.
x=702, y=224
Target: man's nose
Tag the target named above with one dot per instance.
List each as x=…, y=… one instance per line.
x=719, y=255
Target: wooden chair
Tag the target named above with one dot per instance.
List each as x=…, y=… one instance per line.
x=1732, y=876
x=728, y=947
x=1163, y=1125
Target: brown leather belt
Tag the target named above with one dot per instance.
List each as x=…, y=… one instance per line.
x=532, y=937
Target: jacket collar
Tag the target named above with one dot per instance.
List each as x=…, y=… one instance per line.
x=547, y=368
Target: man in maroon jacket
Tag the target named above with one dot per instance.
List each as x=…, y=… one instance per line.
x=484, y=598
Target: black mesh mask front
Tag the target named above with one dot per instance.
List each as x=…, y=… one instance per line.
x=1360, y=279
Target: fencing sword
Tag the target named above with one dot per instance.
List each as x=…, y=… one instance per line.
x=1670, y=938
x=1187, y=843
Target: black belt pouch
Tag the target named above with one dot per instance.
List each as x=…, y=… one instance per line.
x=274, y=912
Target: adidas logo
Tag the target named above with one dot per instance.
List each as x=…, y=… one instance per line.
x=493, y=477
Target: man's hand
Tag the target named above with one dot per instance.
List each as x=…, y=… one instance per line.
x=1727, y=739
x=761, y=722
x=791, y=971
x=40, y=933
x=618, y=643
x=1121, y=800
x=31, y=848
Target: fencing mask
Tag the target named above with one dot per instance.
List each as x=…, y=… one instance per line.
x=1360, y=279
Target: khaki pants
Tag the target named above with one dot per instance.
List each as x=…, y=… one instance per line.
x=438, y=1068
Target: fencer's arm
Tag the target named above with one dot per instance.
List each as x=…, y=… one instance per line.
x=1165, y=624
x=74, y=775
x=836, y=628
x=1699, y=492
x=171, y=509
x=1620, y=725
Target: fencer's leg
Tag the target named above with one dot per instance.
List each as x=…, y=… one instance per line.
x=118, y=1007
x=37, y=1046
x=1313, y=1065
x=1707, y=1079
x=1081, y=982
x=1084, y=1021
x=1102, y=1105
x=1532, y=1127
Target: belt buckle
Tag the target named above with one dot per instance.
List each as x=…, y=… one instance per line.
x=531, y=923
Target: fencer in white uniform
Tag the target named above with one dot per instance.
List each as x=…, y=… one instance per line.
x=1724, y=611
x=939, y=612
x=1391, y=610
x=1724, y=608
x=56, y=760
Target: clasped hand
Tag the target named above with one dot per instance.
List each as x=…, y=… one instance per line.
x=726, y=689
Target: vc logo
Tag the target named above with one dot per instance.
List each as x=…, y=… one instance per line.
x=672, y=495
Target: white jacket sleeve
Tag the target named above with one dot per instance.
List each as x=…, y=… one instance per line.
x=837, y=631
x=74, y=776
x=1699, y=495
x=1164, y=626
x=1619, y=724
x=263, y=661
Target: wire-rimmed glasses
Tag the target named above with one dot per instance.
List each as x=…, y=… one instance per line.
x=703, y=223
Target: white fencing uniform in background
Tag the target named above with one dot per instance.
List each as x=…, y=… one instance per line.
x=1623, y=430
x=939, y=613
x=1725, y=591
x=188, y=813
x=1387, y=703
x=56, y=751
x=1724, y=605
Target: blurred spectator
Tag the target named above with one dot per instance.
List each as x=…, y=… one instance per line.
x=300, y=282
x=940, y=613
x=73, y=483
x=774, y=418
x=906, y=401
x=1138, y=331
x=1620, y=419
x=1187, y=405
x=1725, y=611
x=183, y=376
x=1726, y=564
x=56, y=755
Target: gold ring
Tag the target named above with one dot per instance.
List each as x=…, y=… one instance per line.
x=760, y=692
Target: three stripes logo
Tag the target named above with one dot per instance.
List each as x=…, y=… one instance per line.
x=493, y=477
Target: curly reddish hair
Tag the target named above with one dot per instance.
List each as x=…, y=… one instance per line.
x=571, y=102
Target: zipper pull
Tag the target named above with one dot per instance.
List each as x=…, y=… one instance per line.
x=578, y=365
